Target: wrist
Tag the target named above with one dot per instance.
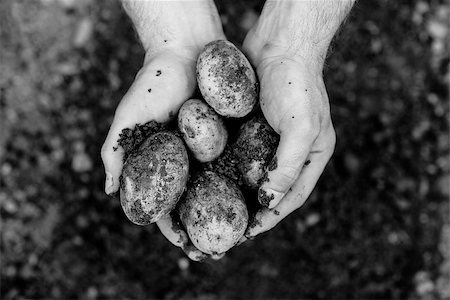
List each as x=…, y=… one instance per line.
x=298, y=30
x=272, y=59
x=166, y=25
x=311, y=58
x=186, y=43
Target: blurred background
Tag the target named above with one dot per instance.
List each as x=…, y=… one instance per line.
x=376, y=226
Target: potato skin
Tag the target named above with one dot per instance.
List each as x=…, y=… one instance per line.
x=154, y=178
x=213, y=213
x=254, y=149
x=203, y=130
x=226, y=79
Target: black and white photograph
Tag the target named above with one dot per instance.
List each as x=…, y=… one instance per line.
x=224, y=149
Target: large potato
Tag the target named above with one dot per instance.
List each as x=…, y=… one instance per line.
x=254, y=148
x=153, y=178
x=213, y=213
x=203, y=130
x=226, y=79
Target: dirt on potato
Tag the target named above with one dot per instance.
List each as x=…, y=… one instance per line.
x=226, y=165
x=154, y=177
x=203, y=130
x=254, y=148
x=131, y=139
x=226, y=79
x=238, y=153
x=213, y=212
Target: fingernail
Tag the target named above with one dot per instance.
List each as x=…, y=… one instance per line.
x=109, y=184
x=248, y=236
x=276, y=199
x=242, y=240
x=193, y=253
x=217, y=256
x=269, y=198
x=196, y=255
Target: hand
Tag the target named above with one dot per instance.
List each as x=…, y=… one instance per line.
x=295, y=103
x=288, y=53
x=173, y=34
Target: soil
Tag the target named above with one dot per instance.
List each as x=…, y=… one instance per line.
x=131, y=139
x=376, y=225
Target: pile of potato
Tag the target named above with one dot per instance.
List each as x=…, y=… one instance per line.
x=159, y=176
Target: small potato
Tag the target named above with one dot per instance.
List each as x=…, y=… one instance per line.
x=254, y=148
x=203, y=130
x=154, y=178
x=226, y=79
x=213, y=213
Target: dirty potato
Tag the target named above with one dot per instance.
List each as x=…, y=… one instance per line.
x=226, y=79
x=254, y=149
x=153, y=178
x=213, y=213
x=203, y=130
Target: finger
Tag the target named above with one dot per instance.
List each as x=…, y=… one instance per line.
x=160, y=88
x=178, y=237
x=194, y=254
x=172, y=231
x=297, y=136
x=266, y=218
x=252, y=45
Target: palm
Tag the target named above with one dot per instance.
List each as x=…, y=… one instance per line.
x=294, y=101
x=142, y=103
x=289, y=91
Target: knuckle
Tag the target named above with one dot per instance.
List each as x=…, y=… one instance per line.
x=287, y=173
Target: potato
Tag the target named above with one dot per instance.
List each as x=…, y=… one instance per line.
x=154, y=178
x=226, y=79
x=213, y=213
x=254, y=149
x=203, y=130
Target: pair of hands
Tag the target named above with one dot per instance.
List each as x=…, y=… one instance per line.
x=292, y=97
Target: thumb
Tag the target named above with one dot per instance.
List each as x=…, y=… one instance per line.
x=296, y=141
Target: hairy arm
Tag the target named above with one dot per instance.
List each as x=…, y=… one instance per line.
x=164, y=25
x=302, y=28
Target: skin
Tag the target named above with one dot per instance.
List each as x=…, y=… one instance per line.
x=172, y=34
x=287, y=46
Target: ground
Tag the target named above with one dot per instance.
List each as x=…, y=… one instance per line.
x=376, y=225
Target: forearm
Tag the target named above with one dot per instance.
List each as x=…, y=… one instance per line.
x=174, y=24
x=301, y=28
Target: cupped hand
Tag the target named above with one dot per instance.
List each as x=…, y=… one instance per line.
x=173, y=34
x=294, y=101
x=288, y=45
